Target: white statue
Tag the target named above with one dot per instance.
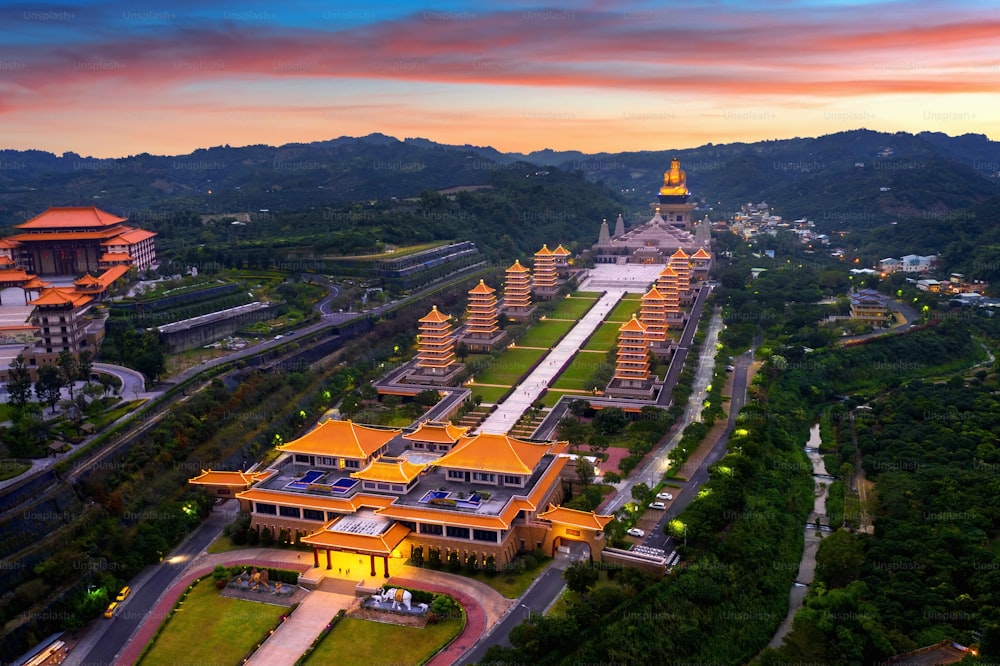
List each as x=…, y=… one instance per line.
x=396, y=595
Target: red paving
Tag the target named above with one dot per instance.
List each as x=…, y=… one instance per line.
x=130, y=654
x=475, y=625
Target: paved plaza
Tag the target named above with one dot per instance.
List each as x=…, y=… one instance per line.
x=615, y=280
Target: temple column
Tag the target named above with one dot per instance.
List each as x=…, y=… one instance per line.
x=373, y=563
x=329, y=565
x=385, y=562
x=315, y=557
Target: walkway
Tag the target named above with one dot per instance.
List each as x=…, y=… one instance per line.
x=636, y=277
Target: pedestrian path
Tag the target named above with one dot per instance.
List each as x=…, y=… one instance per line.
x=616, y=280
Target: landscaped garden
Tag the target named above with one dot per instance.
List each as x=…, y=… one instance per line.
x=604, y=337
x=546, y=333
x=580, y=369
x=628, y=306
x=509, y=367
x=574, y=306
x=364, y=642
x=207, y=627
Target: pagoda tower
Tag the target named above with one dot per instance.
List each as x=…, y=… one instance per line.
x=435, y=343
x=667, y=284
x=680, y=262
x=481, y=330
x=702, y=263
x=517, y=293
x=632, y=366
x=653, y=315
x=619, y=226
x=562, y=256
x=545, y=283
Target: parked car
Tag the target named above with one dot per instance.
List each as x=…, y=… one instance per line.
x=635, y=531
x=730, y=368
x=664, y=496
x=123, y=595
x=657, y=505
x=112, y=607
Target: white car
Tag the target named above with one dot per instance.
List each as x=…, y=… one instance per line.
x=664, y=496
x=635, y=531
x=657, y=505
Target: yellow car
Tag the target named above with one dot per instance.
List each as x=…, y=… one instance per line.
x=111, y=610
x=123, y=595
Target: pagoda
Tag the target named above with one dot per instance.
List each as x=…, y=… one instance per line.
x=545, y=283
x=653, y=315
x=517, y=293
x=632, y=378
x=481, y=330
x=680, y=262
x=667, y=284
x=701, y=264
x=435, y=362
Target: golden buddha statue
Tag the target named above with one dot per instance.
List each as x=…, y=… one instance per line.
x=674, y=180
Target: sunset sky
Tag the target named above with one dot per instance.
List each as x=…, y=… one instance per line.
x=109, y=78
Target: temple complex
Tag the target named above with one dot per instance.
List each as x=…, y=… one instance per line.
x=670, y=229
x=481, y=330
x=517, y=304
x=74, y=240
x=373, y=492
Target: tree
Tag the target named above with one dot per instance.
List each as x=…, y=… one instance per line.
x=839, y=559
x=610, y=420
x=580, y=577
x=48, y=388
x=150, y=358
x=19, y=383
x=69, y=368
x=84, y=365
x=584, y=471
x=641, y=493
x=579, y=408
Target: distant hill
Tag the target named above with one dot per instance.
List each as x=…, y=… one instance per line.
x=848, y=180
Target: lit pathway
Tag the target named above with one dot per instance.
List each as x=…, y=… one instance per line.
x=616, y=280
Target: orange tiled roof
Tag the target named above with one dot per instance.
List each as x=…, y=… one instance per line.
x=220, y=478
x=679, y=254
x=86, y=280
x=545, y=251
x=633, y=325
x=114, y=256
x=653, y=294
x=8, y=244
x=587, y=520
x=490, y=452
x=435, y=316
x=57, y=296
x=381, y=544
x=112, y=274
x=701, y=254
x=441, y=433
x=561, y=251
x=6, y=261
x=303, y=500
x=517, y=267
x=482, y=288
x=396, y=470
x=14, y=275
x=64, y=235
x=36, y=283
x=130, y=237
x=342, y=439
x=72, y=217
x=669, y=272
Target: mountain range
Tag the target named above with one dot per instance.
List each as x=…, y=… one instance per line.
x=851, y=179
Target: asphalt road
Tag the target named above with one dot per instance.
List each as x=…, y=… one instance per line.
x=107, y=639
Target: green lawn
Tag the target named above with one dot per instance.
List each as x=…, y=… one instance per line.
x=624, y=310
x=579, y=370
x=546, y=333
x=9, y=468
x=604, y=337
x=551, y=396
x=490, y=393
x=509, y=366
x=363, y=642
x=573, y=307
x=234, y=627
